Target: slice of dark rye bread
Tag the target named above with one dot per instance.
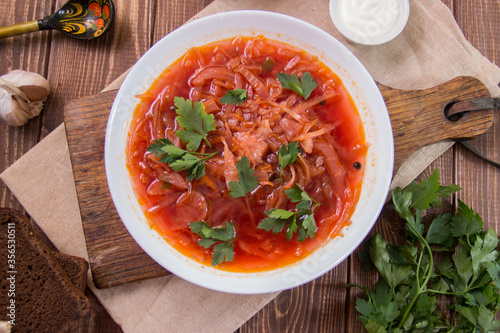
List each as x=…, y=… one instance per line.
x=36, y=290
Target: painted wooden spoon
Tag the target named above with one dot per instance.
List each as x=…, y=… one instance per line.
x=82, y=19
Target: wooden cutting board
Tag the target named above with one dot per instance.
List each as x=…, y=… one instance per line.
x=417, y=119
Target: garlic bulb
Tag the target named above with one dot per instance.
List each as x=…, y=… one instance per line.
x=21, y=96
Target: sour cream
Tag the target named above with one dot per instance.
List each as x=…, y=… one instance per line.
x=370, y=21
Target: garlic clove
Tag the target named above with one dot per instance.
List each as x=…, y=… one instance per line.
x=22, y=95
x=12, y=112
x=33, y=85
x=19, y=116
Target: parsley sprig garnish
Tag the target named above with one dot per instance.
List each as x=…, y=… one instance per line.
x=300, y=221
x=235, y=96
x=247, y=181
x=196, y=123
x=221, y=238
x=180, y=159
x=287, y=155
x=405, y=297
x=304, y=87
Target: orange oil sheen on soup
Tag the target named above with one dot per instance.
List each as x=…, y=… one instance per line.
x=327, y=125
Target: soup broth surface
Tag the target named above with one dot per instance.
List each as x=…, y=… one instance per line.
x=326, y=125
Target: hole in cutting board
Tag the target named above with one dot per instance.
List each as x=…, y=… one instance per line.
x=446, y=110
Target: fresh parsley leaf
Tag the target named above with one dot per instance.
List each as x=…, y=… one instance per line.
x=380, y=309
x=276, y=220
x=422, y=195
x=440, y=285
x=494, y=272
x=297, y=194
x=221, y=238
x=303, y=87
x=308, y=84
x=166, y=150
x=279, y=214
x=236, y=96
x=463, y=265
x=201, y=228
x=185, y=162
x=425, y=192
x=366, y=309
x=445, y=267
x=396, y=256
x=466, y=222
x=180, y=159
x=402, y=202
x=308, y=228
x=287, y=155
x=414, y=226
x=484, y=251
x=486, y=320
x=207, y=242
x=372, y=326
x=247, y=180
x=392, y=274
x=447, y=191
x=482, y=297
x=300, y=221
x=223, y=252
x=219, y=233
x=466, y=313
x=304, y=205
x=156, y=148
x=424, y=316
x=440, y=232
x=196, y=123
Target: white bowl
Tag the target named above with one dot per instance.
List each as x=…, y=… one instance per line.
x=370, y=27
x=379, y=163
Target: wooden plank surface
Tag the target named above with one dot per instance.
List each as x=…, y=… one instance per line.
x=480, y=21
x=79, y=68
x=114, y=256
x=31, y=53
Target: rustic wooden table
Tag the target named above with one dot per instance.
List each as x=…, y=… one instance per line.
x=78, y=68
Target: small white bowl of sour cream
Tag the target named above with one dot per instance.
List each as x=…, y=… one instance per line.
x=370, y=22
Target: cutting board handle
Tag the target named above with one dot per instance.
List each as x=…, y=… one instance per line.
x=418, y=116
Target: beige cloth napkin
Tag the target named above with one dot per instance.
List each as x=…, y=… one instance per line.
x=430, y=51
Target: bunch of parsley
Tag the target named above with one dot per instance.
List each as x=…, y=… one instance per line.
x=411, y=278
